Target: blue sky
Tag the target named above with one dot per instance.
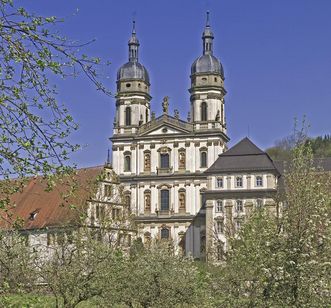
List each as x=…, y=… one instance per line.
x=276, y=56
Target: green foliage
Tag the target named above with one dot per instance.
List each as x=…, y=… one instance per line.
x=320, y=146
x=17, y=270
x=284, y=260
x=34, y=124
x=157, y=277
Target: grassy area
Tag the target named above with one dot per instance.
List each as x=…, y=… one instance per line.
x=33, y=301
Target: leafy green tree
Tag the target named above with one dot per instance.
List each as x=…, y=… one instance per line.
x=17, y=271
x=34, y=125
x=75, y=270
x=156, y=277
x=284, y=260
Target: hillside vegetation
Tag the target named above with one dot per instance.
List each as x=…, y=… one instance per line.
x=321, y=147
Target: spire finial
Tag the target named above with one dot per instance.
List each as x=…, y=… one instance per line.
x=133, y=26
x=207, y=20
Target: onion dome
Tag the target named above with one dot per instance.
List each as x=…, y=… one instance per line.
x=207, y=63
x=133, y=69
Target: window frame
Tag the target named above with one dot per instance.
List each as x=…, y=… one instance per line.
x=239, y=206
x=204, y=112
x=203, y=159
x=164, y=229
x=239, y=179
x=217, y=182
x=219, y=206
x=128, y=116
x=259, y=181
x=127, y=162
x=162, y=166
x=162, y=197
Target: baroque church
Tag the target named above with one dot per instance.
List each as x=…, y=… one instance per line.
x=161, y=160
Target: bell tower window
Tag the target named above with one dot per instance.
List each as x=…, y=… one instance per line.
x=203, y=158
x=127, y=116
x=204, y=111
x=127, y=162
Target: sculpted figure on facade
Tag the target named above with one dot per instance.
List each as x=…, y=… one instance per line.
x=165, y=104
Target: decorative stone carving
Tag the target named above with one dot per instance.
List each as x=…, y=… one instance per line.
x=165, y=104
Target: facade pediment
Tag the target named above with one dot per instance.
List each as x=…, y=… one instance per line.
x=165, y=125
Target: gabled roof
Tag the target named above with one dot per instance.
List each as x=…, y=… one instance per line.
x=244, y=156
x=38, y=208
x=242, y=148
x=165, y=120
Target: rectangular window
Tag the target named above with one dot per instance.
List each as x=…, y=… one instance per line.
x=165, y=161
x=259, y=181
x=219, y=182
x=239, y=181
x=239, y=206
x=219, y=206
x=164, y=200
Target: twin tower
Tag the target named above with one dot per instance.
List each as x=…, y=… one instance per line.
x=207, y=90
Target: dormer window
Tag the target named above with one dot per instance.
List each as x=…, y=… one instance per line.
x=33, y=215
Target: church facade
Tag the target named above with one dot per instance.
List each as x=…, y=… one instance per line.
x=161, y=160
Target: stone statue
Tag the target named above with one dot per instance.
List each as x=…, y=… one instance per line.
x=217, y=116
x=153, y=116
x=176, y=112
x=165, y=104
x=189, y=117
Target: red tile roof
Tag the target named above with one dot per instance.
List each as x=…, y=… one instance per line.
x=38, y=208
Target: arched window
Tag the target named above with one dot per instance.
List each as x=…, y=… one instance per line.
x=182, y=159
x=127, y=162
x=146, y=115
x=127, y=116
x=147, y=162
x=147, y=200
x=203, y=111
x=203, y=159
x=182, y=200
x=165, y=234
x=165, y=200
